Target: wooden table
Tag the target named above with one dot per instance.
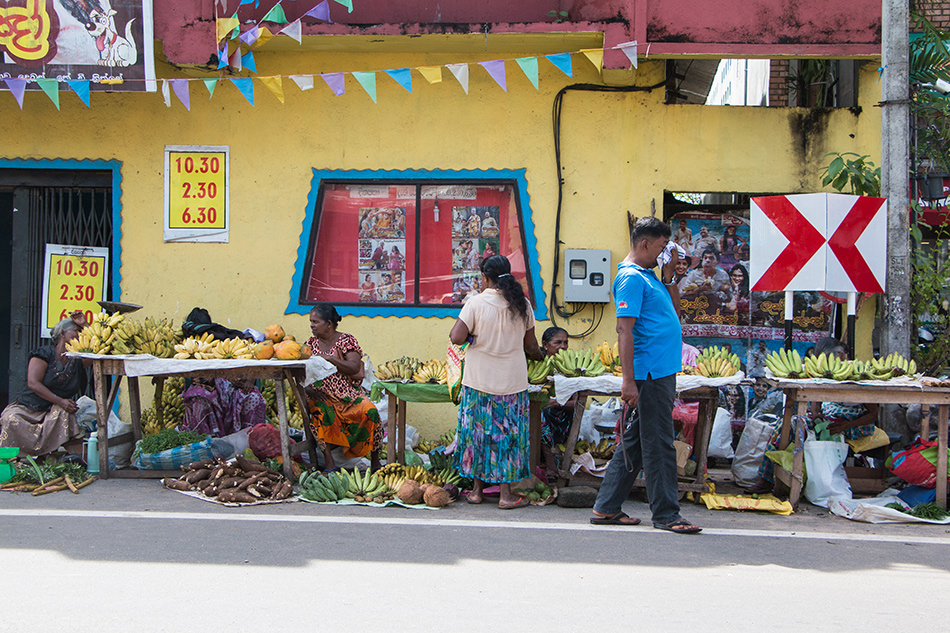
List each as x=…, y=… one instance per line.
x=798, y=393
x=708, y=403
x=400, y=394
x=105, y=366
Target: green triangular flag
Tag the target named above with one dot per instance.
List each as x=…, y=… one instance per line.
x=276, y=15
x=368, y=81
x=210, y=84
x=530, y=67
x=51, y=88
x=346, y=3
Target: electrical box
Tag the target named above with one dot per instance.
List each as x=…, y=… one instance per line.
x=587, y=276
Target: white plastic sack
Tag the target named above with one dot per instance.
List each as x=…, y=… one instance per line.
x=873, y=510
x=827, y=479
x=751, y=450
x=720, y=439
x=121, y=454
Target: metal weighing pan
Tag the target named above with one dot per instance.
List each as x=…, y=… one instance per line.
x=117, y=306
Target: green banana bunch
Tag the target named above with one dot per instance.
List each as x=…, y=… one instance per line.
x=785, y=364
x=540, y=370
x=571, y=363
x=891, y=366
x=715, y=352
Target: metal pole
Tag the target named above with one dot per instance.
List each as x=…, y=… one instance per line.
x=895, y=179
x=789, y=315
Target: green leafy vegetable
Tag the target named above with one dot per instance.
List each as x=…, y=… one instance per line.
x=167, y=439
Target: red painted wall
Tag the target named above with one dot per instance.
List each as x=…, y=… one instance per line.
x=727, y=28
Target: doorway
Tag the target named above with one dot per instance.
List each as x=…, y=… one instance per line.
x=39, y=207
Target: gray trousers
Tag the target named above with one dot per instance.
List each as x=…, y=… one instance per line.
x=647, y=446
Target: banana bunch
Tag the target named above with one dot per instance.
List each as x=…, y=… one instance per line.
x=785, y=364
x=571, y=363
x=149, y=420
x=446, y=476
x=173, y=407
x=609, y=356
x=617, y=370
x=234, y=348
x=196, y=347
x=581, y=447
x=433, y=372
x=420, y=474
x=295, y=417
x=827, y=366
x=394, y=468
x=540, y=370
x=604, y=449
x=393, y=480
x=426, y=446
x=714, y=352
x=717, y=367
x=89, y=343
x=892, y=366
x=400, y=369
x=364, y=487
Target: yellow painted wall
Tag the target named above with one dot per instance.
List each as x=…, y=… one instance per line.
x=619, y=152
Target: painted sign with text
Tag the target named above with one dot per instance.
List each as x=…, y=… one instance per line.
x=196, y=194
x=74, y=278
x=105, y=42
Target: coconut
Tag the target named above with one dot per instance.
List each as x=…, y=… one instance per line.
x=452, y=490
x=410, y=492
x=436, y=497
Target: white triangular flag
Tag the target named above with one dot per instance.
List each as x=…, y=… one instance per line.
x=630, y=50
x=293, y=30
x=166, y=95
x=304, y=82
x=461, y=73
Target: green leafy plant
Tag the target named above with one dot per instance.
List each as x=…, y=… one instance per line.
x=558, y=16
x=930, y=296
x=858, y=173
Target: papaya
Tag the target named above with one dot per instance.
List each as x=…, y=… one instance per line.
x=305, y=352
x=287, y=350
x=274, y=333
x=265, y=350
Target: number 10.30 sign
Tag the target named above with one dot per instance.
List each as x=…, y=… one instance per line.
x=74, y=278
x=196, y=193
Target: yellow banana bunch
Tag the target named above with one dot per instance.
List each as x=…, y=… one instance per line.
x=150, y=424
x=193, y=347
x=716, y=367
x=606, y=354
x=604, y=449
x=785, y=364
x=716, y=352
x=400, y=369
x=433, y=371
x=232, y=348
x=88, y=343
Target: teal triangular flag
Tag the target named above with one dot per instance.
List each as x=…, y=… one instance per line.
x=368, y=81
x=276, y=15
x=210, y=84
x=563, y=62
x=51, y=88
x=247, y=60
x=81, y=88
x=403, y=77
x=346, y=3
x=530, y=67
x=246, y=86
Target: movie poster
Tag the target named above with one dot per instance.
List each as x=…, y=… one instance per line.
x=475, y=236
x=382, y=255
x=106, y=42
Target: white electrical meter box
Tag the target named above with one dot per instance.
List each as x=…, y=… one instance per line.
x=587, y=276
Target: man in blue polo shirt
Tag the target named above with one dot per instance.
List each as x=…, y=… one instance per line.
x=651, y=348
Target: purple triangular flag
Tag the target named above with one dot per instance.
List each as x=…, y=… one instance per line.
x=180, y=86
x=336, y=81
x=250, y=36
x=16, y=86
x=223, y=57
x=496, y=68
x=321, y=12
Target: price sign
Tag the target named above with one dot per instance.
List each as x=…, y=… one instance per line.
x=74, y=278
x=196, y=193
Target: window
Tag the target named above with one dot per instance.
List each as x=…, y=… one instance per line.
x=388, y=244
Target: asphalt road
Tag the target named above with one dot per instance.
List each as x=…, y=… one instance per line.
x=130, y=556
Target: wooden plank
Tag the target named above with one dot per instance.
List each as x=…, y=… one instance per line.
x=282, y=425
x=942, y=415
x=925, y=422
x=102, y=418
x=135, y=408
x=401, y=433
x=159, y=382
x=797, y=463
x=564, y=473
x=534, y=435
x=391, y=439
x=125, y=438
x=310, y=442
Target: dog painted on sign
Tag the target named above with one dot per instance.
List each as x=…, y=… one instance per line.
x=114, y=50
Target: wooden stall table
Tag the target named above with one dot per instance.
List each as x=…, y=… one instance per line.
x=609, y=386
x=297, y=373
x=798, y=393
x=401, y=393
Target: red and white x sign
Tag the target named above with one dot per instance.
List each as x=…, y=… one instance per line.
x=818, y=241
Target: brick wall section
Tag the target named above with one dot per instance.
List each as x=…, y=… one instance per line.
x=936, y=11
x=778, y=84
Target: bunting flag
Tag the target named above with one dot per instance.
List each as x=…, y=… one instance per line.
x=224, y=26
x=432, y=74
x=530, y=67
x=275, y=85
x=563, y=62
x=496, y=68
x=293, y=30
x=250, y=36
x=166, y=96
x=596, y=57
x=17, y=88
x=346, y=3
x=403, y=77
x=210, y=84
x=243, y=2
x=276, y=15
x=336, y=81
x=321, y=12
x=51, y=88
x=235, y=61
x=367, y=80
x=223, y=57
x=461, y=73
x=304, y=82
x=182, y=91
x=247, y=60
x=246, y=86
x=630, y=50
x=81, y=88
x=264, y=37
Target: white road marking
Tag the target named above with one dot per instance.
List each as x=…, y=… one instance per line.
x=463, y=523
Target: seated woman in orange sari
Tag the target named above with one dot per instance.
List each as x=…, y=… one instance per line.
x=340, y=413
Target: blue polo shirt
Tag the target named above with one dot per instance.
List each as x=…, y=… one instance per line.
x=657, y=336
